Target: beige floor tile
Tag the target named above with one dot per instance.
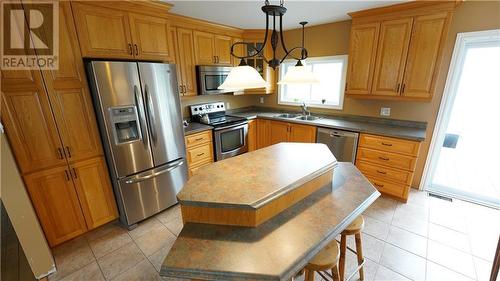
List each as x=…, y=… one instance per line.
x=403, y=262
x=175, y=226
x=109, y=242
x=158, y=257
x=376, y=228
x=370, y=267
x=449, y=216
x=408, y=241
x=154, y=240
x=89, y=272
x=372, y=247
x=120, y=260
x=175, y=279
x=483, y=244
x=483, y=269
x=383, y=211
x=451, y=258
x=143, y=271
x=412, y=210
x=412, y=224
x=169, y=214
x=71, y=256
x=435, y=272
x=449, y=237
x=144, y=227
x=418, y=197
x=385, y=274
x=103, y=230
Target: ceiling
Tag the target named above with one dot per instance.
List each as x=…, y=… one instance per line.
x=248, y=15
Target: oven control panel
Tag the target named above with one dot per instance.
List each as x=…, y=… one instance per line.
x=206, y=108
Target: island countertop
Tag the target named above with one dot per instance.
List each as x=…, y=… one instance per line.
x=280, y=247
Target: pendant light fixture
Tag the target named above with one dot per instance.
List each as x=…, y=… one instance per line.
x=247, y=77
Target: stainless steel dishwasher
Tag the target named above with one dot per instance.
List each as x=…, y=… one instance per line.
x=343, y=144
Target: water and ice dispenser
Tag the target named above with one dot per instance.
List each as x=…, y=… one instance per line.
x=125, y=124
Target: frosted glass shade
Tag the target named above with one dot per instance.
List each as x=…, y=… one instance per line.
x=299, y=75
x=243, y=77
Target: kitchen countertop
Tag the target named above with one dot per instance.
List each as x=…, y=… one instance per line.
x=195, y=127
x=252, y=180
x=392, y=128
x=279, y=248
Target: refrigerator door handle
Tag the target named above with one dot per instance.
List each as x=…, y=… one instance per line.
x=168, y=169
x=151, y=115
x=138, y=103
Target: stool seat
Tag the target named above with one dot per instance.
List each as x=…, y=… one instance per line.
x=326, y=259
x=355, y=227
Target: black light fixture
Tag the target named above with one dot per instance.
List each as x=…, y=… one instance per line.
x=244, y=76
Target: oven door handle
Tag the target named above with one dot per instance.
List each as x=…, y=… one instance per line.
x=231, y=127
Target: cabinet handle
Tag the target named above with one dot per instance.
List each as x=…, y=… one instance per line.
x=403, y=89
x=184, y=89
x=378, y=185
x=397, y=88
x=381, y=172
x=200, y=154
x=383, y=158
x=387, y=144
x=345, y=87
x=75, y=176
x=66, y=174
x=218, y=60
x=136, y=50
x=130, y=48
x=68, y=151
x=59, y=151
x=198, y=139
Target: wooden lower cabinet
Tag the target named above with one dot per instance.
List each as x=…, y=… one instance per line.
x=263, y=136
x=271, y=132
x=302, y=133
x=199, y=150
x=252, y=135
x=278, y=132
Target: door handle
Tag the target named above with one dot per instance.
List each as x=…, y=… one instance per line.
x=75, y=176
x=403, y=89
x=130, y=48
x=59, y=151
x=68, y=151
x=136, y=49
x=184, y=89
x=151, y=116
x=139, y=179
x=397, y=88
x=66, y=175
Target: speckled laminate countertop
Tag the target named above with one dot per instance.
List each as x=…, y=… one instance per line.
x=277, y=249
x=253, y=179
x=195, y=127
x=378, y=126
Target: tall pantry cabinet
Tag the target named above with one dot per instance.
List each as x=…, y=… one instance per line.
x=50, y=123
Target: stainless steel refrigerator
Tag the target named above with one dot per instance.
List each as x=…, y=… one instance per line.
x=140, y=120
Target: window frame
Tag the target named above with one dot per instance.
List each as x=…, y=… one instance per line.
x=343, y=58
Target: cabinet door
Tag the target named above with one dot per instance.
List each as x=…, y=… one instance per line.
x=222, y=46
x=362, y=53
x=204, y=49
x=53, y=195
x=278, y=132
x=302, y=133
x=94, y=190
x=423, y=57
x=186, y=63
x=391, y=56
x=103, y=33
x=150, y=36
x=263, y=137
x=252, y=135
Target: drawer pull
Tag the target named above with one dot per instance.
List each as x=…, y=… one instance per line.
x=386, y=144
x=381, y=172
x=200, y=154
x=383, y=158
x=198, y=139
x=378, y=185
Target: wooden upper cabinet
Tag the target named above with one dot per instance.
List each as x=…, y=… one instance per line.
x=94, y=190
x=302, y=133
x=204, y=49
x=186, y=61
x=391, y=56
x=150, y=36
x=103, y=32
x=423, y=56
x=222, y=48
x=56, y=204
x=362, y=54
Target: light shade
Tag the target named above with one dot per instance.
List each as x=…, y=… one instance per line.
x=299, y=75
x=243, y=77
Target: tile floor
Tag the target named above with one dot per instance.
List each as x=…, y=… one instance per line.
x=425, y=239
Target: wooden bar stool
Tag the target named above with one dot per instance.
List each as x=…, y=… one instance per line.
x=325, y=260
x=355, y=229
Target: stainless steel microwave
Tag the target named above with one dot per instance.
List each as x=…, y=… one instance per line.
x=210, y=77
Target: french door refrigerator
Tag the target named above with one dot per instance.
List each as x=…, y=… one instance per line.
x=139, y=115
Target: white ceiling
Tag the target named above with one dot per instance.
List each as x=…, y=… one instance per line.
x=248, y=15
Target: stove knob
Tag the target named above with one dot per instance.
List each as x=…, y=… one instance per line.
x=200, y=108
x=195, y=109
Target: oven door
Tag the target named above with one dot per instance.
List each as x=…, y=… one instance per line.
x=230, y=141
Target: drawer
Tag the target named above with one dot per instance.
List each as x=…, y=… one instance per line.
x=193, y=169
x=198, y=138
x=389, y=174
x=387, y=144
x=200, y=154
x=394, y=189
x=387, y=159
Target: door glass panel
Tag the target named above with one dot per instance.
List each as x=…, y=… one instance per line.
x=231, y=140
x=212, y=82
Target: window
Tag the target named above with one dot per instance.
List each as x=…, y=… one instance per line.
x=329, y=93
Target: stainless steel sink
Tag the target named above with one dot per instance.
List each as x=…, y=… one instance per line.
x=287, y=115
x=308, y=117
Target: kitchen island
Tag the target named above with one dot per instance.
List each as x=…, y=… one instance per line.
x=279, y=247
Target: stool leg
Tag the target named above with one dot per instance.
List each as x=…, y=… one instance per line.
x=309, y=275
x=343, y=249
x=335, y=273
x=359, y=252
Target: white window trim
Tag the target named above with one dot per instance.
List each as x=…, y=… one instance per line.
x=342, y=83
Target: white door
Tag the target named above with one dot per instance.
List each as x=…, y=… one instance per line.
x=464, y=159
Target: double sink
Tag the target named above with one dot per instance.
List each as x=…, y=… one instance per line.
x=297, y=116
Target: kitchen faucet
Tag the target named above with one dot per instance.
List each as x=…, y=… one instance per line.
x=304, y=109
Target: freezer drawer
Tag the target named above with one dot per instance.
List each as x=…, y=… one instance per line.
x=152, y=191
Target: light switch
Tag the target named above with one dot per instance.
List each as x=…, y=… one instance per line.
x=385, y=111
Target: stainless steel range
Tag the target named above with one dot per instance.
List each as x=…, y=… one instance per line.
x=230, y=133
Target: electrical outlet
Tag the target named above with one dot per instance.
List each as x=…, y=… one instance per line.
x=228, y=105
x=261, y=99
x=385, y=111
